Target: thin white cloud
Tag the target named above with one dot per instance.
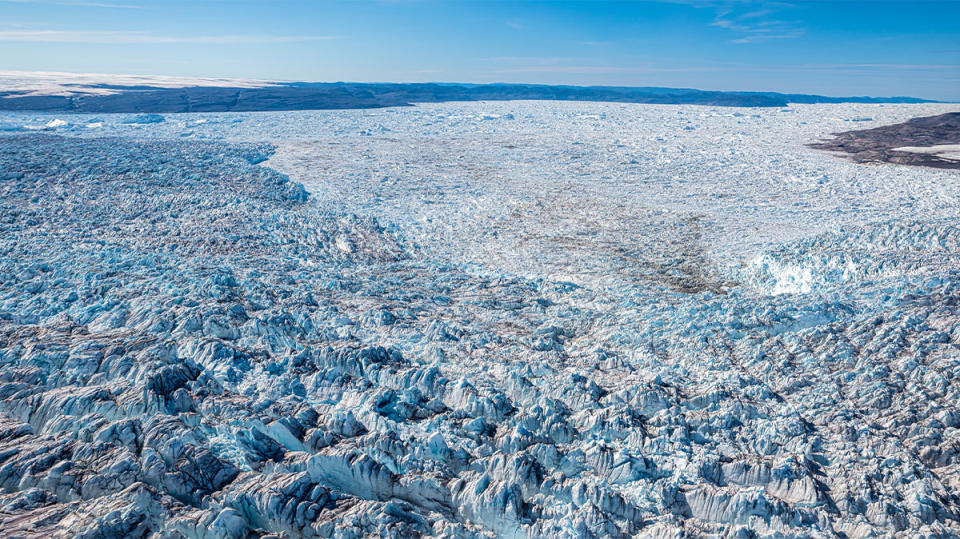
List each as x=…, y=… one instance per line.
x=594, y=43
x=94, y=4
x=593, y=69
x=652, y=68
x=757, y=24
x=753, y=20
x=106, y=5
x=764, y=36
x=115, y=37
x=532, y=60
x=918, y=67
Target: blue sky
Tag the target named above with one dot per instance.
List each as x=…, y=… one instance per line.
x=833, y=48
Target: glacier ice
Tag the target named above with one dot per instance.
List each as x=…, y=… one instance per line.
x=470, y=325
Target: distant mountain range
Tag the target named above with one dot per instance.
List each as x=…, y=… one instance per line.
x=227, y=96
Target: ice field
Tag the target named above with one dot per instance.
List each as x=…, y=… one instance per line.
x=514, y=319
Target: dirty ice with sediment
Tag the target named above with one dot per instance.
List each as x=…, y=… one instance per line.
x=515, y=319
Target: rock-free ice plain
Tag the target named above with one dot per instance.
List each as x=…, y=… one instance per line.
x=513, y=319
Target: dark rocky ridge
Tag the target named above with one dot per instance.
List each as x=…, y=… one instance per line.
x=877, y=145
x=315, y=96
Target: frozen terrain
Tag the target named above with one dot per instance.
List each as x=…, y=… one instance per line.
x=519, y=319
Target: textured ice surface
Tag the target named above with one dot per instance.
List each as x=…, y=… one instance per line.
x=513, y=319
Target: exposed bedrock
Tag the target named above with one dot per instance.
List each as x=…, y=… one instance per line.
x=889, y=143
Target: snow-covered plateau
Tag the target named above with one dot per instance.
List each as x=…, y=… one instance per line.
x=510, y=319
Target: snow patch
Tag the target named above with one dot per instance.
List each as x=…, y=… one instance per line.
x=943, y=151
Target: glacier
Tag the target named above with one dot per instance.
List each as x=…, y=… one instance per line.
x=512, y=319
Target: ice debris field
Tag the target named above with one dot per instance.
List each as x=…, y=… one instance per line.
x=515, y=319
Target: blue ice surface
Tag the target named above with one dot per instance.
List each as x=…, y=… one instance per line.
x=177, y=315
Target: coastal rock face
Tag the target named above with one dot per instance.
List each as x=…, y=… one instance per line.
x=191, y=346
